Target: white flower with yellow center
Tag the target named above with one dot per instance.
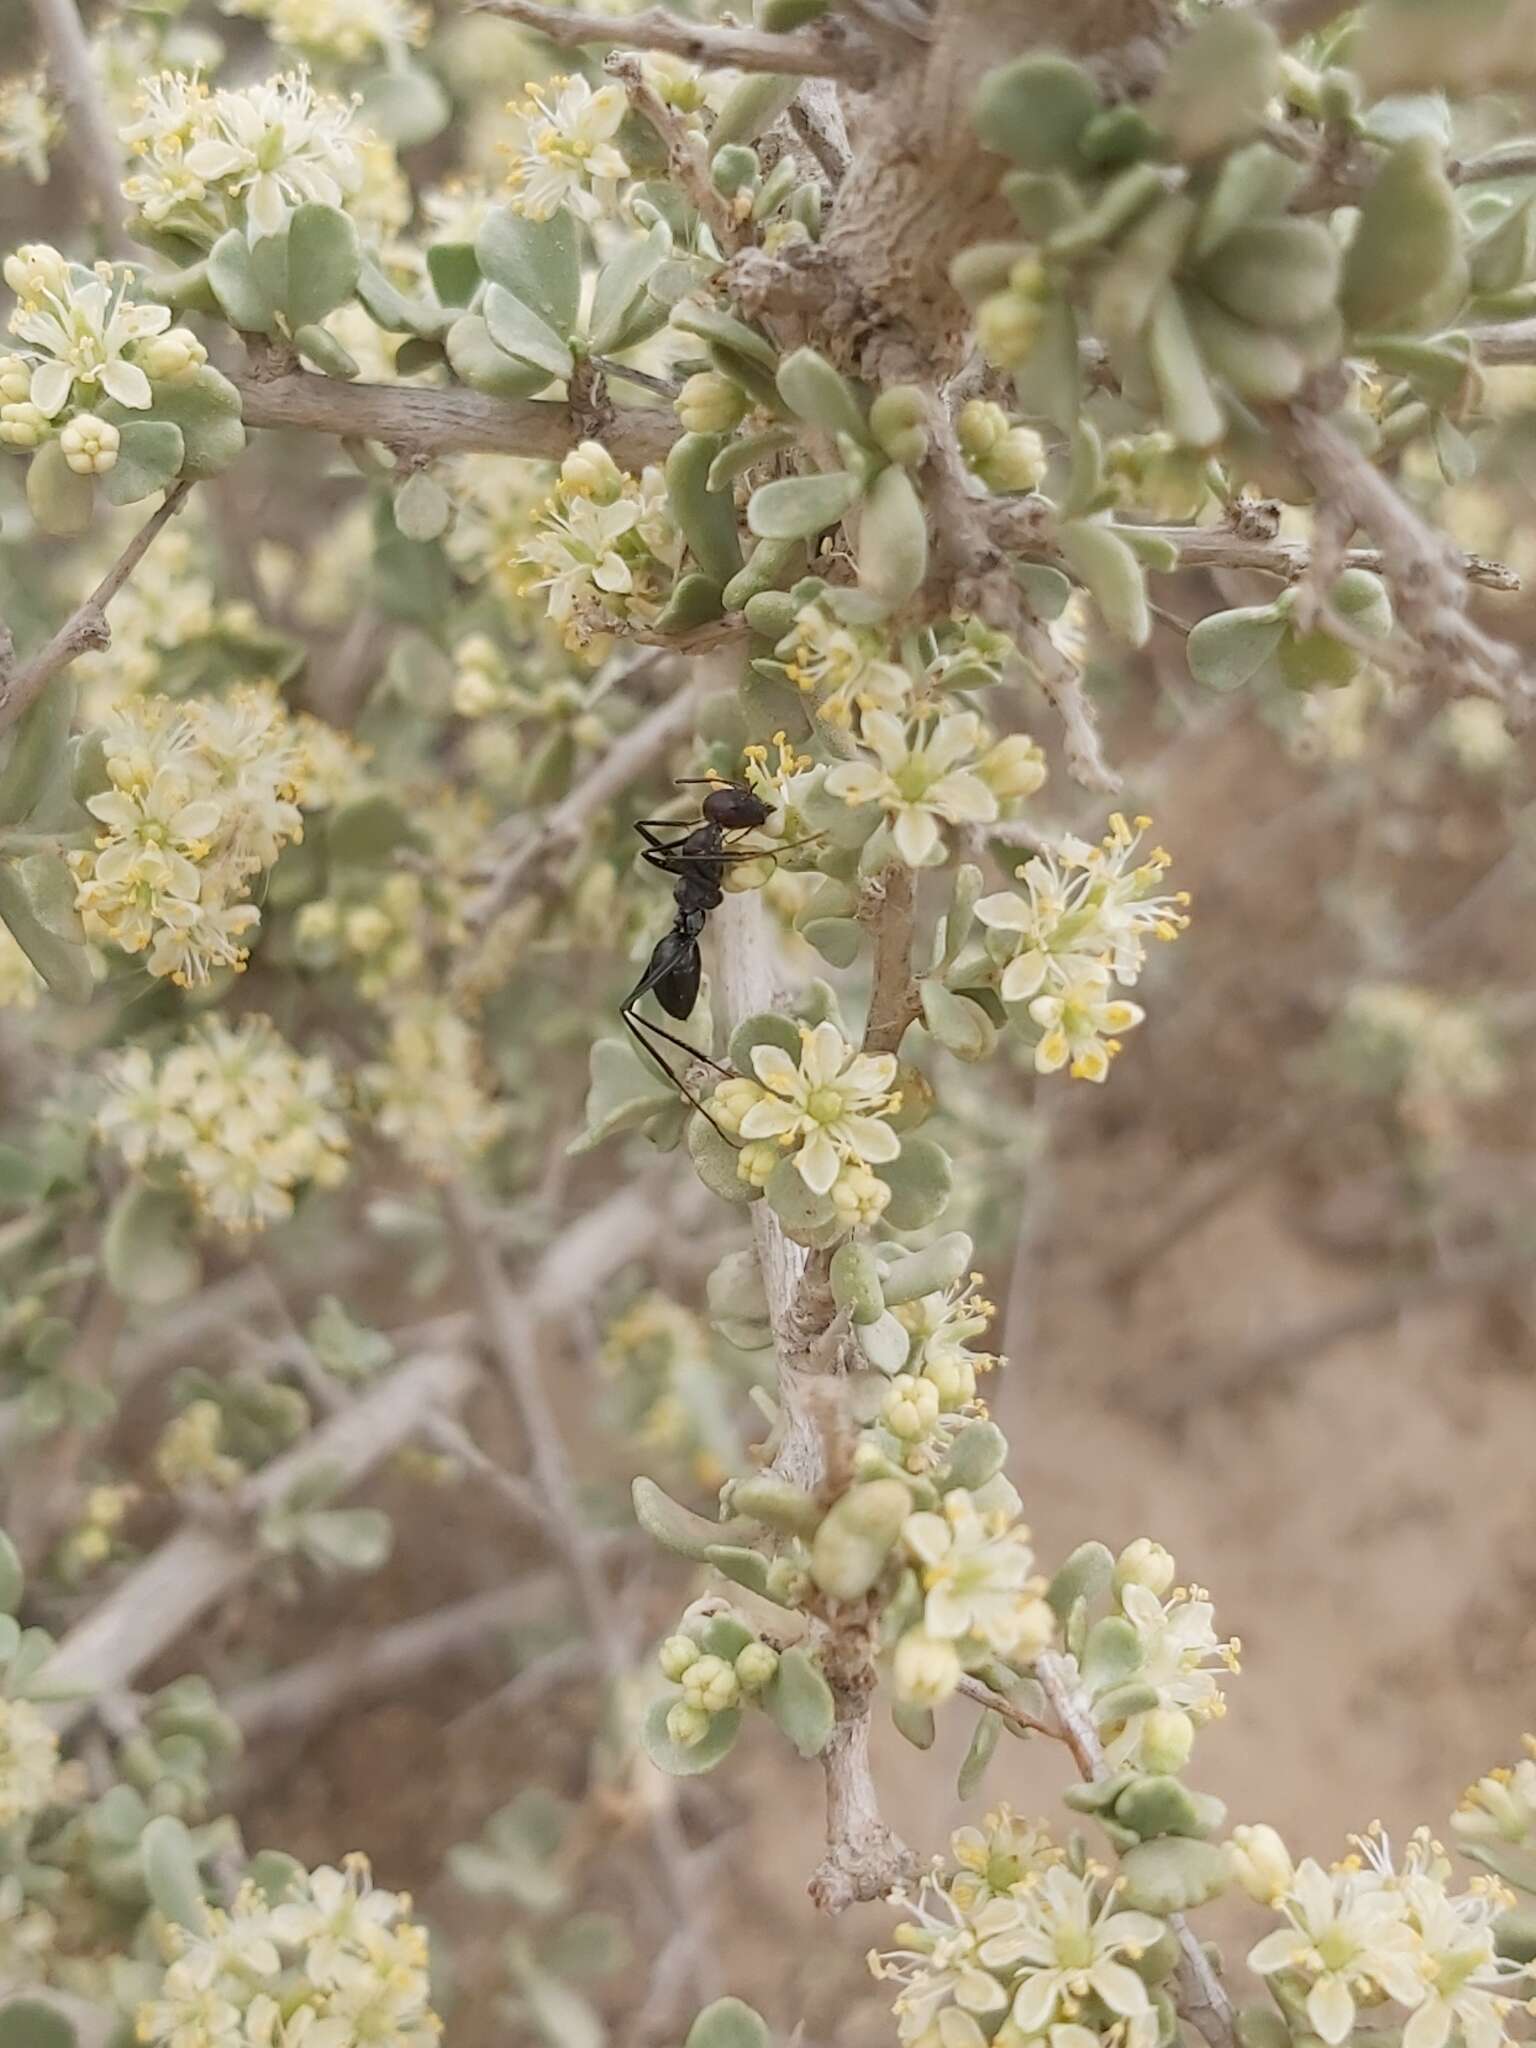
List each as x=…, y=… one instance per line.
x=1081, y=1025
x=426, y=1094
x=976, y=1571
x=274, y=145
x=86, y=326
x=29, y=1762
x=564, y=157
x=1347, y=1940
x=845, y=668
x=1500, y=1807
x=343, y=1911
x=917, y=779
x=1064, y=1937
x=827, y=1108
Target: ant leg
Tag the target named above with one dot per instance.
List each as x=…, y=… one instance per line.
x=637, y=1027
x=725, y=1073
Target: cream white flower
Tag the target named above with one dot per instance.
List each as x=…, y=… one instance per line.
x=86, y=326
x=1084, y=908
x=426, y=1094
x=976, y=1572
x=1501, y=1806
x=846, y=669
x=1064, y=1937
x=346, y=31
x=1081, y=1025
x=1181, y=1654
x=564, y=158
x=29, y=1762
x=825, y=1109
x=917, y=779
x=245, y=1121
x=1348, y=1940
x=247, y=156
x=602, y=546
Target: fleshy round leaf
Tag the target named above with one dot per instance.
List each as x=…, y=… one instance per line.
x=690, y=1761
x=171, y=1872
x=799, y=1700
x=149, y=456
x=539, y=262
x=797, y=507
x=1172, y=1875
x=1228, y=649
x=147, y=1249
x=324, y=259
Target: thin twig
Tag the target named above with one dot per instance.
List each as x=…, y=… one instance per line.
x=417, y=423
x=511, y=1335
x=561, y=828
x=150, y=1609
x=1201, y=1996
x=86, y=628
x=88, y=133
x=825, y=50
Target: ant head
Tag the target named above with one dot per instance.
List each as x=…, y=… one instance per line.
x=735, y=808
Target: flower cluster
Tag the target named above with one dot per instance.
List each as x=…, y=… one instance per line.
x=933, y=769
x=1365, y=1931
x=564, y=158
x=334, y=1963
x=1006, y=455
x=343, y=31
x=29, y=123
x=1425, y=1048
x=244, y=1121
x=827, y=1112
x=1180, y=1657
x=981, y=1597
x=1016, y=1945
x=206, y=161
x=426, y=1094
x=934, y=1394
x=168, y=605
x=603, y=546
x=848, y=670
x=29, y=1762
x=712, y=1682
x=1081, y=923
x=203, y=797
x=85, y=338
x=375, y=932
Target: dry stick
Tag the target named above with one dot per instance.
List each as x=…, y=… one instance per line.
x=561, y=828
x=1424, y=569
x=86, y=628
x=88, y=133
x=864, y=1859
x=1201, y=1996
x=823, y=51
x=1217, y=547
x=427, y=423
x=149, y=1609
x=510, y=1332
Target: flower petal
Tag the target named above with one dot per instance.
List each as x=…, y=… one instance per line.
x=818, y=1163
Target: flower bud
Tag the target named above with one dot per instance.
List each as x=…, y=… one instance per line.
x=710, y=1683
x=981, y=426
x=589, y=471
x=1017, y=463
x=710, y=403
x=898, y=419
x=1260, y=1862
x=954, y=1376
x=755, y=1162
x=15, y=379
x=173, y=357
x=911, y=1407
x=686, y=1724
x=1167, y=1738
x=859, y=1195
x=1035, y=1630
x=35, y=268
x=22, y=426
x=367, y=928
x=676, y=1655
x=755, y=1666
x=476, y=693
x=926, y=1668
x=1145, y=1563
x=90, y=445
x=1014, y=767
x=1007, y=325
x=317, y=924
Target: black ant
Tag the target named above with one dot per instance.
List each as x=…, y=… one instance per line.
x=698, y=860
